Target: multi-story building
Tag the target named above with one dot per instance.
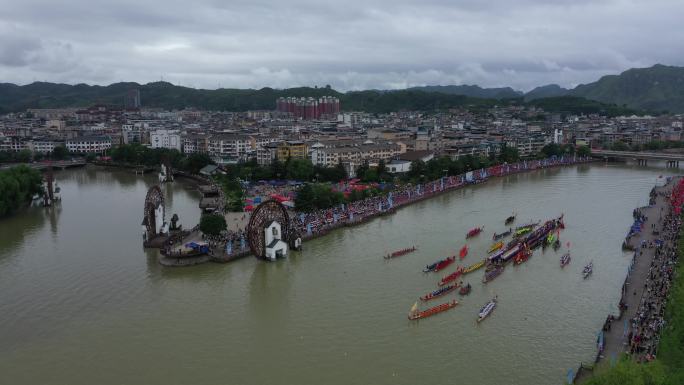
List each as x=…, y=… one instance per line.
x=170, y=139
x=267, y=153
x=196, y=144
x=132, y=99
x=309, y=108
x=293, y=149
x=89, y=144
x=330, y=157
x=44, y=145
x=228, y=148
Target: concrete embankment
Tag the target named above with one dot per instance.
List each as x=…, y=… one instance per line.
x=614, y=332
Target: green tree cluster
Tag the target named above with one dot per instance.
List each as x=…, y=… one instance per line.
x=554, y=149
x=212, y=224
x=316, y=196
x=583, y=151
x=23, y=156
x=232, y=190
x=445, y=166
x=17, y=187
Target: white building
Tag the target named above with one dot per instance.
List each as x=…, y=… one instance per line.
x=397, y=166
x=228, y=147
x=44, y=145
x=170, y=139
x=275, y=246
x=89, y=144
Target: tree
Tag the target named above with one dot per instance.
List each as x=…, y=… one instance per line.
x=619, y=146
x=299, y=169
x=59, y=153
x=18, y=185
x=583, y=151
x=304, y=199
x=508, y=154
x=212, y=224
x=23, y=156
x=195, y=162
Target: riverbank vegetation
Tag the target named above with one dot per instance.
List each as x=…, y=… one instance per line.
x=138, y=155
x=18, y=185
x=668, y=368
x=656, y=145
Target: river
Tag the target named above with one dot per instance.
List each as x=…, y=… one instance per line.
x=81, y=302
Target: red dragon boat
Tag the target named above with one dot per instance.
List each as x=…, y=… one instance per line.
x=463, y=252
x=401, y=252
x=451, y=277
x=414, y=314
x=474, y=231
x=444, y=263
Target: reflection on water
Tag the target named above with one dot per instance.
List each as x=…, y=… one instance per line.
x=82, y=302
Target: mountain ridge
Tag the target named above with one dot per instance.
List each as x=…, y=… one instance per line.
x=657, y=88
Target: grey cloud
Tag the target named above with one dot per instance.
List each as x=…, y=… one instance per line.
x=355, y=44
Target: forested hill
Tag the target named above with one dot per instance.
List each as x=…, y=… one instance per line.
x=165, y=95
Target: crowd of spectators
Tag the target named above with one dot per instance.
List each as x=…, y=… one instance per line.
x=646, y=325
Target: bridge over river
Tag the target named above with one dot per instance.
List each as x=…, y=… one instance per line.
x=61, y=164
x=642, y=158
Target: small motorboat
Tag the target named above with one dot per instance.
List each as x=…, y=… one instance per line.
x=465, y=290
x=502, y=235
x=565, y=260
x=430, y=268
x=486, y=310
x=463, y=252
x=588, y=269
x=414, y=314
x=474, y=231
x=495, y=247
x=510, y=220
x=439, y=292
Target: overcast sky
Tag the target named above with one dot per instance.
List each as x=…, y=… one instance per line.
x=349, y=44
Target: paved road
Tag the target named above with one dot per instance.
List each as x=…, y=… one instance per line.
x=615, y=339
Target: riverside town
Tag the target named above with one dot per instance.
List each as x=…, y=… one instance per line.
x=470, y=192
x=371, y=193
